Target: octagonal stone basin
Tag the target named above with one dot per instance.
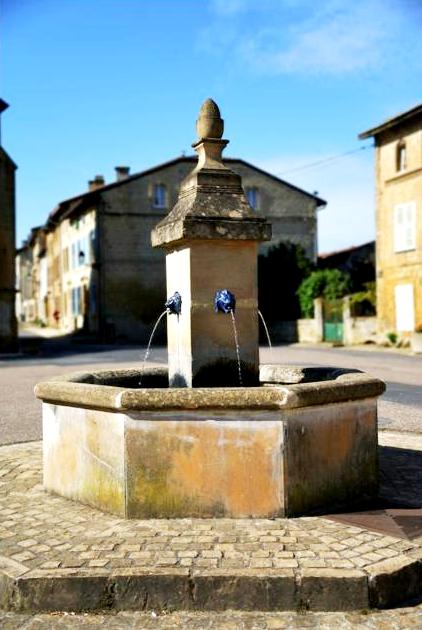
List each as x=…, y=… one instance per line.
x=303, y=442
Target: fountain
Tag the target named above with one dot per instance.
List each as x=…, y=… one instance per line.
x=214, y=435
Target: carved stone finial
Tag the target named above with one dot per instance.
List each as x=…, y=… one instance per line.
x=212, y=202
x=209, y=123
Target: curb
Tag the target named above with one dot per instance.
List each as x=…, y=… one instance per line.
x=387, y=584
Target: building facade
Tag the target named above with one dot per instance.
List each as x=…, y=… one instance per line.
x=104, y=277
x=8, y=325
x=398, y=165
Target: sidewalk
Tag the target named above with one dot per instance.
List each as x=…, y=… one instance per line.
x=368, y=347
x=400, y=618
x=56, y=554
x=25, y=330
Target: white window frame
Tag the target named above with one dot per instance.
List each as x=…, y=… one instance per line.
x=404, y=227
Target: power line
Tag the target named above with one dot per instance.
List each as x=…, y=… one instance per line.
x=339, y=156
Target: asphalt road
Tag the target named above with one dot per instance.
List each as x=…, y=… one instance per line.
x=400, y=408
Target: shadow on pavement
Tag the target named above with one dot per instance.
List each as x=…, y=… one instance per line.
x=398, y=510
x=66, y=345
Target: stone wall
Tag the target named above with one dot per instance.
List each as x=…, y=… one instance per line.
x=312, y=330
x=356, y=330
x=309, y=331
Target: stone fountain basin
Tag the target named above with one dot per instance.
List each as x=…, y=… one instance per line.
x=303, y=442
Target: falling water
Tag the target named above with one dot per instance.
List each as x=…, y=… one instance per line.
x=236, y=341
x=266, y=329
x=178, y=345
x=147, y=351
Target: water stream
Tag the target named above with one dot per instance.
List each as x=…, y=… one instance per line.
x=266, y=329
x=236, y=341
x=147, y=351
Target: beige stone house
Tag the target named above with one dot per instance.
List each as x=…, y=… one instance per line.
x=32, y=302
x=104, y=276
x=398, y=164
x=25, y=310
x=8, y=327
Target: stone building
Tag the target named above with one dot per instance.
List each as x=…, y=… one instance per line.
x=32, y=279
x=24, y=296
x=8, y=327
x=398, y=165
x=103, y=275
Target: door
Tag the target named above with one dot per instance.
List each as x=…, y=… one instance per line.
x=333, y=320
x=405, y=307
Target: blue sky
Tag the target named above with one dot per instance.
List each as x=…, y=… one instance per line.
x=97, y=83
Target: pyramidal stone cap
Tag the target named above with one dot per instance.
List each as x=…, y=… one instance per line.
x=209, y=123
x=212, y=203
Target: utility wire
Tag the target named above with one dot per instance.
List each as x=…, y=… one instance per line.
x=339, y=156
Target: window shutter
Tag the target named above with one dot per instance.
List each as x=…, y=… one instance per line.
x=405, y=226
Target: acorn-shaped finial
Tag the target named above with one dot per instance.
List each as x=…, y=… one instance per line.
x=209, y=123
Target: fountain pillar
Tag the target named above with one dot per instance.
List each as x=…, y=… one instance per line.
x=211, y=237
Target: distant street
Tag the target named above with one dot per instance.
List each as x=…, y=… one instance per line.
x=400, y=408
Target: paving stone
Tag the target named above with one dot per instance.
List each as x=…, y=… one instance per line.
x=52, y=536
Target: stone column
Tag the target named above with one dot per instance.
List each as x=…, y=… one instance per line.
x=211, y=238
x=319, y=320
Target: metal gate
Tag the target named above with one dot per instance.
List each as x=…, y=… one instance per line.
x=333, y=320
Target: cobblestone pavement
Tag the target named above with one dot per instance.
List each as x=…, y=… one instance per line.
x=401, y=618
x=48, y=533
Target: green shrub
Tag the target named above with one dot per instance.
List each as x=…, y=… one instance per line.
x=392, y=337
x=330, y=284
x=364, y=303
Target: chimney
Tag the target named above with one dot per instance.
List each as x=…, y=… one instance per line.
x=122, y=172
x=96, y=183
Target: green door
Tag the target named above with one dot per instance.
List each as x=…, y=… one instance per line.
x=333, y=320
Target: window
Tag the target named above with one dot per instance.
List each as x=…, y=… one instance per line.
x=401, y=157
x=83, y=251
x=74, y=261
x=76, y=301
x=92, y=246
x=160, y=196
x=405, y=226
x=252, y=197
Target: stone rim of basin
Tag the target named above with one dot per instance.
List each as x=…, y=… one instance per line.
x=281, y=387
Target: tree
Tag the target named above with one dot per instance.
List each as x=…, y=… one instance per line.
x=280, y=272
x=330, y=284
